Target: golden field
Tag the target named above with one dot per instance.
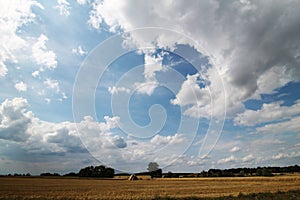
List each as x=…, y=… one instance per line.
x=77, y=188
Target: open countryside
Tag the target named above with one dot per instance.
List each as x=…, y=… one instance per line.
x=207, y=92
x=84, y=188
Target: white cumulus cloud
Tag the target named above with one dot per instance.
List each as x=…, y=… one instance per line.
x=291, y=125
x=235, y=149
x=35, y=73
x=79, y=51
x=192, y=94
x=14, y=14
x=268, y=113
x=152, y=65
x=248, y=158
x=42, y=55
x=247, y=43
x=82, y=2
x=21, y=86
x=15, y=120
x=146, y=87
x=53, y=84
x=227, y=160
x=116, y=90
x=170, y=139
x=286, y=155
x=64, y=7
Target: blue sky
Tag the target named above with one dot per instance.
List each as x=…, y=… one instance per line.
x=191, y=86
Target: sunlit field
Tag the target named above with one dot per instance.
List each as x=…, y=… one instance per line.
x=77, y=188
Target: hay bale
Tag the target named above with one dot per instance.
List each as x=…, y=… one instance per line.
x=133, y=177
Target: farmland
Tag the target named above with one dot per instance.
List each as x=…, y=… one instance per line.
x=77, y=188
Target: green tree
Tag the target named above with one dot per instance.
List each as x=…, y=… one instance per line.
x=152, y=166
x=263, y=172
x=98, y=171
x=154, y=171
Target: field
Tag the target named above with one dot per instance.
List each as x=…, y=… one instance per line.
x=75, y=188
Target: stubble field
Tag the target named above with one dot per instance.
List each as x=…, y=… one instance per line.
x=68, y=188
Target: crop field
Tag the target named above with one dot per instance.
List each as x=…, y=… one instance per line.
x=77, y=188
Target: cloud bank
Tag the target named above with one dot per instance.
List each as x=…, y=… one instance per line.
x=248, y=41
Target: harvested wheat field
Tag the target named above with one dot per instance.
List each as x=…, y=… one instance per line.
x=68, y=188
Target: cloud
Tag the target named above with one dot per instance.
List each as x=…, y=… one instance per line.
x=248, y=158
x=273, y=78
x=191, y=93
x=64, y=7
x=152, y=65
x=227, y=160
x=21, y=86
x=41, y=137
x=268, y=113
x=116, y=90
x=291, y=125
x=43, y=56
x=286, y=155
x=249, y=43
x=53, y=84
x=235, y=149
x=146, y=87
x=47, y=100
x=51, y=89
x=79, y=51
x=110, y=123
x=65, y=137
x=64, y=96
x=14, y=119
x=35, y=73
x=3, y=69
x=82, y=2
x=170, y=139
x=121, y=152
x=278, y=156
x=14, y=14
x=119, y=142
x=231, y=159
x=47, y=140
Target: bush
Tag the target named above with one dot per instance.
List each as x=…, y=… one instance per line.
x=98, y=171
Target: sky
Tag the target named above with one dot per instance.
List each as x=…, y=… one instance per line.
x=190, y=85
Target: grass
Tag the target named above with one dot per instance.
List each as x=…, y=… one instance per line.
x=183, y=188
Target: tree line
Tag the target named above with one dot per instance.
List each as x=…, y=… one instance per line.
x=100, y=171
x=258, y=171
x=155, y=172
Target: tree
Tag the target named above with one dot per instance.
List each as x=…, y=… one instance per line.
x=154, y=171
x=71, y=174
x=49, y=174
x=152, y=166
x=263, y=172
x=98, y=171
x=86, y=172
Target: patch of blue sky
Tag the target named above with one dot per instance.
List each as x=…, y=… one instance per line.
x=287, y=94
x=110, y=77
x=140, y=105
